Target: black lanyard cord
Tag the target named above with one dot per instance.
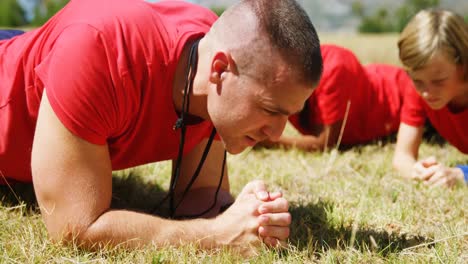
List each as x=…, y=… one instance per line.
x=215, y=196
x=180, y=123
x=197, y=172
x=200, y=164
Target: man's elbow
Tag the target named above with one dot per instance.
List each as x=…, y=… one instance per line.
x=60, y=224
x=68, y=233
x=314, y=147
x=317, y=144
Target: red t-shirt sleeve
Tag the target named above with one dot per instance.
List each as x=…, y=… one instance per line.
x=76, y=76
x=331, y=96
x=412, y=112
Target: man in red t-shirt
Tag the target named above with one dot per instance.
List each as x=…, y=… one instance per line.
x=362, y=101
x=106, y=85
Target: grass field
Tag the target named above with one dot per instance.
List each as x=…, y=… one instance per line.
x=370, y=48
x=347, y=206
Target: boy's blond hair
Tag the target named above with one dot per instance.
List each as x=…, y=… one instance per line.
x=430, y=32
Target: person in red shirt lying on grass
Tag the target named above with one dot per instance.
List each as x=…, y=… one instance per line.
x=364, y=101
x=106, y=85
x=434, y=49
x=9, y=33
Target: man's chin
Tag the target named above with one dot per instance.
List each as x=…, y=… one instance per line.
x=234, y=149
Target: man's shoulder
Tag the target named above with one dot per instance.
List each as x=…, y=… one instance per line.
x=184, y=14
x=169, y=6
x=105, y=14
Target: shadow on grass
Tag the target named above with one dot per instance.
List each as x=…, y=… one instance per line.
x=18, y=194
x=312, y=229
x=430, y=136
x=133, y=193
x=128, y=192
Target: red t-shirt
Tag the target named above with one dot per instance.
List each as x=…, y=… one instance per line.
x=374, y=92
x=108, y=67
x=451, y=126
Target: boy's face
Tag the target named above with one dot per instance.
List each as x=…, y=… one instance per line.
x=440, y=82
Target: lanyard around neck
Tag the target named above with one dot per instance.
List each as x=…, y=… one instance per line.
x=181, y=124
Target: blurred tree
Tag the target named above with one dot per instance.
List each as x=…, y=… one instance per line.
x=382, y=21
x=405, y=12
x=357, y=8
x=218, y=10
x=45, y=9
x=11, y=14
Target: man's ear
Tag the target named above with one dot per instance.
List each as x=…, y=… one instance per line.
x=222, y=62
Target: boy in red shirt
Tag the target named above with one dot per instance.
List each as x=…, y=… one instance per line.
x=364, y=101
x=107, y=85
x=434, y=49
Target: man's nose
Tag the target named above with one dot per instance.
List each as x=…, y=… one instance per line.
x=275, y=129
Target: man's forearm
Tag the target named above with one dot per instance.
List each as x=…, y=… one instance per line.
x=238, y=227
x=133, y=229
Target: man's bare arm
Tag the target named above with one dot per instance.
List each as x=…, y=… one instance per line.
x=73, y=184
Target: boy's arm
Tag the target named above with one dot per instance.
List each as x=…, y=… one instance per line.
x=406, y=151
